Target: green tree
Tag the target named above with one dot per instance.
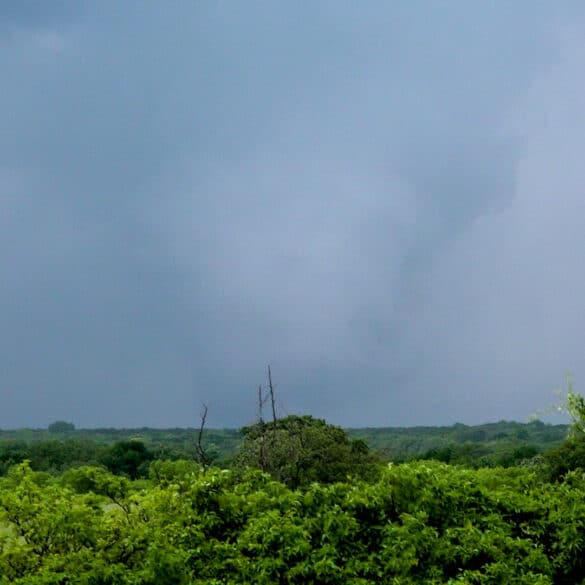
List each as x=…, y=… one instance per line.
x=61, y=426
x=299, y=450
x=129, y=458
x=576, y=409
x=567, y=457
x=571, y=454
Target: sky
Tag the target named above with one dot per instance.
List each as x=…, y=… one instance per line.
x=383, y=201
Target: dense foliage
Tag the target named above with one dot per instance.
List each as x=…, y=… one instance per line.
x=61, y=426
x=487, y=445
x=494, y=444
x=567, y=457
x=57, y=451
x=304, y=504
x=129, y=458
x=299, y=450
x=421, y=522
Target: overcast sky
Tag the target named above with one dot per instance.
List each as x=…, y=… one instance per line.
x=383, y=200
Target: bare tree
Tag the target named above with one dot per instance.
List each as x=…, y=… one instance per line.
x=201, y=454
x=264, y=395
x=261, y=401
x=271, y=394
x=262, y=446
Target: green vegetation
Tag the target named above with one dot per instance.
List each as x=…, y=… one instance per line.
x=477, y=446
x=304, y=502
x=503, y=443
x=60, y=426
x=57, y=452
x=299, y=450
x=128, y=458
x=420, y=522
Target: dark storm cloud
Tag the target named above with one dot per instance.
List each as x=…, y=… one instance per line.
x=192, y=191
x=18, y=14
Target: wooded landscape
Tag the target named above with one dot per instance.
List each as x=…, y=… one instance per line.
x=501, y=443
x=379, y=202
x=294, y=500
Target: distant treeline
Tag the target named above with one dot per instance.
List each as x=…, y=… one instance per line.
x=59, y=448
x=57, y=452
x=501, y=443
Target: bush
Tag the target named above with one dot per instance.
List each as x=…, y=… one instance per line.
x=569, y=456
x=61, y=426
x=299, y=450
x=422, y=522
x=129, y=458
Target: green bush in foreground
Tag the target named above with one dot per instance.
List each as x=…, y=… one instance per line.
x=422, y=522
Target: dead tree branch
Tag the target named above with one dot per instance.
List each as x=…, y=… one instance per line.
x=201, y=453
x=271, y=393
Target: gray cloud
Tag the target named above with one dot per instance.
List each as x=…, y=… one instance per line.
x=509, y=292
x=37, y=13
x=362, y=198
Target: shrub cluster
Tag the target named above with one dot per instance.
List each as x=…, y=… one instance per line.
x=421, y=522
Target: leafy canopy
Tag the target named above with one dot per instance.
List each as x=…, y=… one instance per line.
x=299, y=450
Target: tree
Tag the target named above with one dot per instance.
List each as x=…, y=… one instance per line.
x=61, y=426
x=202, y=455
x=299, y=450
x=576, y=409
x=571, y=454
x=566, y=457
x=130, y=458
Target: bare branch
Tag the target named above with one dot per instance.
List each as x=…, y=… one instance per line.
x=201, y=454
x=260, y=404
x=271, y=393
